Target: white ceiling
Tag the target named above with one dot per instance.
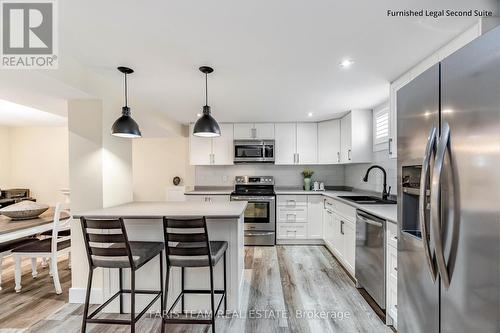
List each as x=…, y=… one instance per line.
x=274, y=60
x=13, y=114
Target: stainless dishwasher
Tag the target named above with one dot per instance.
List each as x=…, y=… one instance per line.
x=370, y=255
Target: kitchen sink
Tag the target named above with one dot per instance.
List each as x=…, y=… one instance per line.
x=367, y=200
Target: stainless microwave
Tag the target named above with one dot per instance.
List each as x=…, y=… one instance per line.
x=254, y=151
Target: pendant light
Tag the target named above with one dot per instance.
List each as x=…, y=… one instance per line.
x=125, y=126
x=206, y=126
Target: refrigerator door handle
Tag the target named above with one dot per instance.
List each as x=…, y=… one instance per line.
x=424, y=183
x=435, y=204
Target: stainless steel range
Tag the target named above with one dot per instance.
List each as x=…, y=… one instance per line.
x=260, y=215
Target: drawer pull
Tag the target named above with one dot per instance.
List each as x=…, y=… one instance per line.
x=396, y=269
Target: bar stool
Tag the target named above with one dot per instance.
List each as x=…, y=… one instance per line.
x=187, y=245
x=108, y=246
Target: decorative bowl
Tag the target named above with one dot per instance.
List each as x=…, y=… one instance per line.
x=24, y=210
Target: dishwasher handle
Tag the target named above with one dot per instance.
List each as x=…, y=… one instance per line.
x=370, y=219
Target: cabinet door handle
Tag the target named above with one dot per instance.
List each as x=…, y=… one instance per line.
x=298, y=158
x=349, y=154
x=338, y=157
x=253, y=132
x=342, y=227
x=390, y=146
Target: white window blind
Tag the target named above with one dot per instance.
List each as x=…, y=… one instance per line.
x=381, y=126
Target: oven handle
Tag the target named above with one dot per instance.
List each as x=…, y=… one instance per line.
x=239, y=198
x=259, y=234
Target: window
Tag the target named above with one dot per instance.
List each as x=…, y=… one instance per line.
x=381, y=125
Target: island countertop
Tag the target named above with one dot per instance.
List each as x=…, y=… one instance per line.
x=158, y=209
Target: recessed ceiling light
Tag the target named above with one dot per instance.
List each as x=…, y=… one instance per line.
x=309, y=114
x=346, y=63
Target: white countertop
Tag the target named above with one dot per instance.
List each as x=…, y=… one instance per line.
x=209, y=192
x=387, y=212
x=158, y=209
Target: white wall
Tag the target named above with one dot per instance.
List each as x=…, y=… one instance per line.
x=354, y=173
x=39, y=161
x=4, y=157
x=155, y=162
x=285, y=175
x=35, y=158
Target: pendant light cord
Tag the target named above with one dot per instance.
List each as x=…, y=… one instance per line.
x=206, y=89
x=126, y=101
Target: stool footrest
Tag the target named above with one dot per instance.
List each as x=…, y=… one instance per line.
x=90, y=318
x=193, y=291
x=187, y=321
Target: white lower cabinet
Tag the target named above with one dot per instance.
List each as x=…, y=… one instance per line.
x=299, y=217
x=340, y=232
x=391, y=275
x=315, y=216
x=292, y=231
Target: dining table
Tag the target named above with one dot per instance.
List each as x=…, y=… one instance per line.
x=16, y=229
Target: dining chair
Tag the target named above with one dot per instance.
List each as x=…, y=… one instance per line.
x=6, y=250
x=51, y=248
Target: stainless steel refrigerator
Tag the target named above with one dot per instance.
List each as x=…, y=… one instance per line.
x=449, y=194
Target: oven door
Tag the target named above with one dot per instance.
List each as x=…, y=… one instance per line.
x=260, y=213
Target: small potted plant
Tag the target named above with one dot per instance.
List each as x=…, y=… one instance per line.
x=307, y=173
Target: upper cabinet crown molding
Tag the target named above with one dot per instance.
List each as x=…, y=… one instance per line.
x=254, y=131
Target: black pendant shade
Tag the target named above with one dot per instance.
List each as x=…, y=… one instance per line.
x=206, y=126
x=125, y=126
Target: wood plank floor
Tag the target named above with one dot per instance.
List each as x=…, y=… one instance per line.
x=299, y=289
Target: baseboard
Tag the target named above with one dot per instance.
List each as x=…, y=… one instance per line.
x=77, y=295
x=300, y=242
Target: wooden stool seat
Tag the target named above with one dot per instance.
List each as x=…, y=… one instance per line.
x=142, y=252
x=218, y=248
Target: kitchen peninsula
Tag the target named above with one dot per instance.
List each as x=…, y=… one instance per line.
x=143, y=221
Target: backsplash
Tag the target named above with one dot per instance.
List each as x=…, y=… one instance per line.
x=284, y=175
x=354, y=173
x=290, y=175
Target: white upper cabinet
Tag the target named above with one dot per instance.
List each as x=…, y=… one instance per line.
x=393, y=113
x=307, y=143
x=252, y=131
x=329, y=142
x=223, y=147
x=345, y=139
x=285, y=144
x=264, y=131
x=212, y=151
x=200, y=149
x=243, y=131
x=356, y=139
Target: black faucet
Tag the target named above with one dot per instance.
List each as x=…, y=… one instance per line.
x=385, y=192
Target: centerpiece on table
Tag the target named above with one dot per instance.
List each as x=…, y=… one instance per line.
x=307, y=173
